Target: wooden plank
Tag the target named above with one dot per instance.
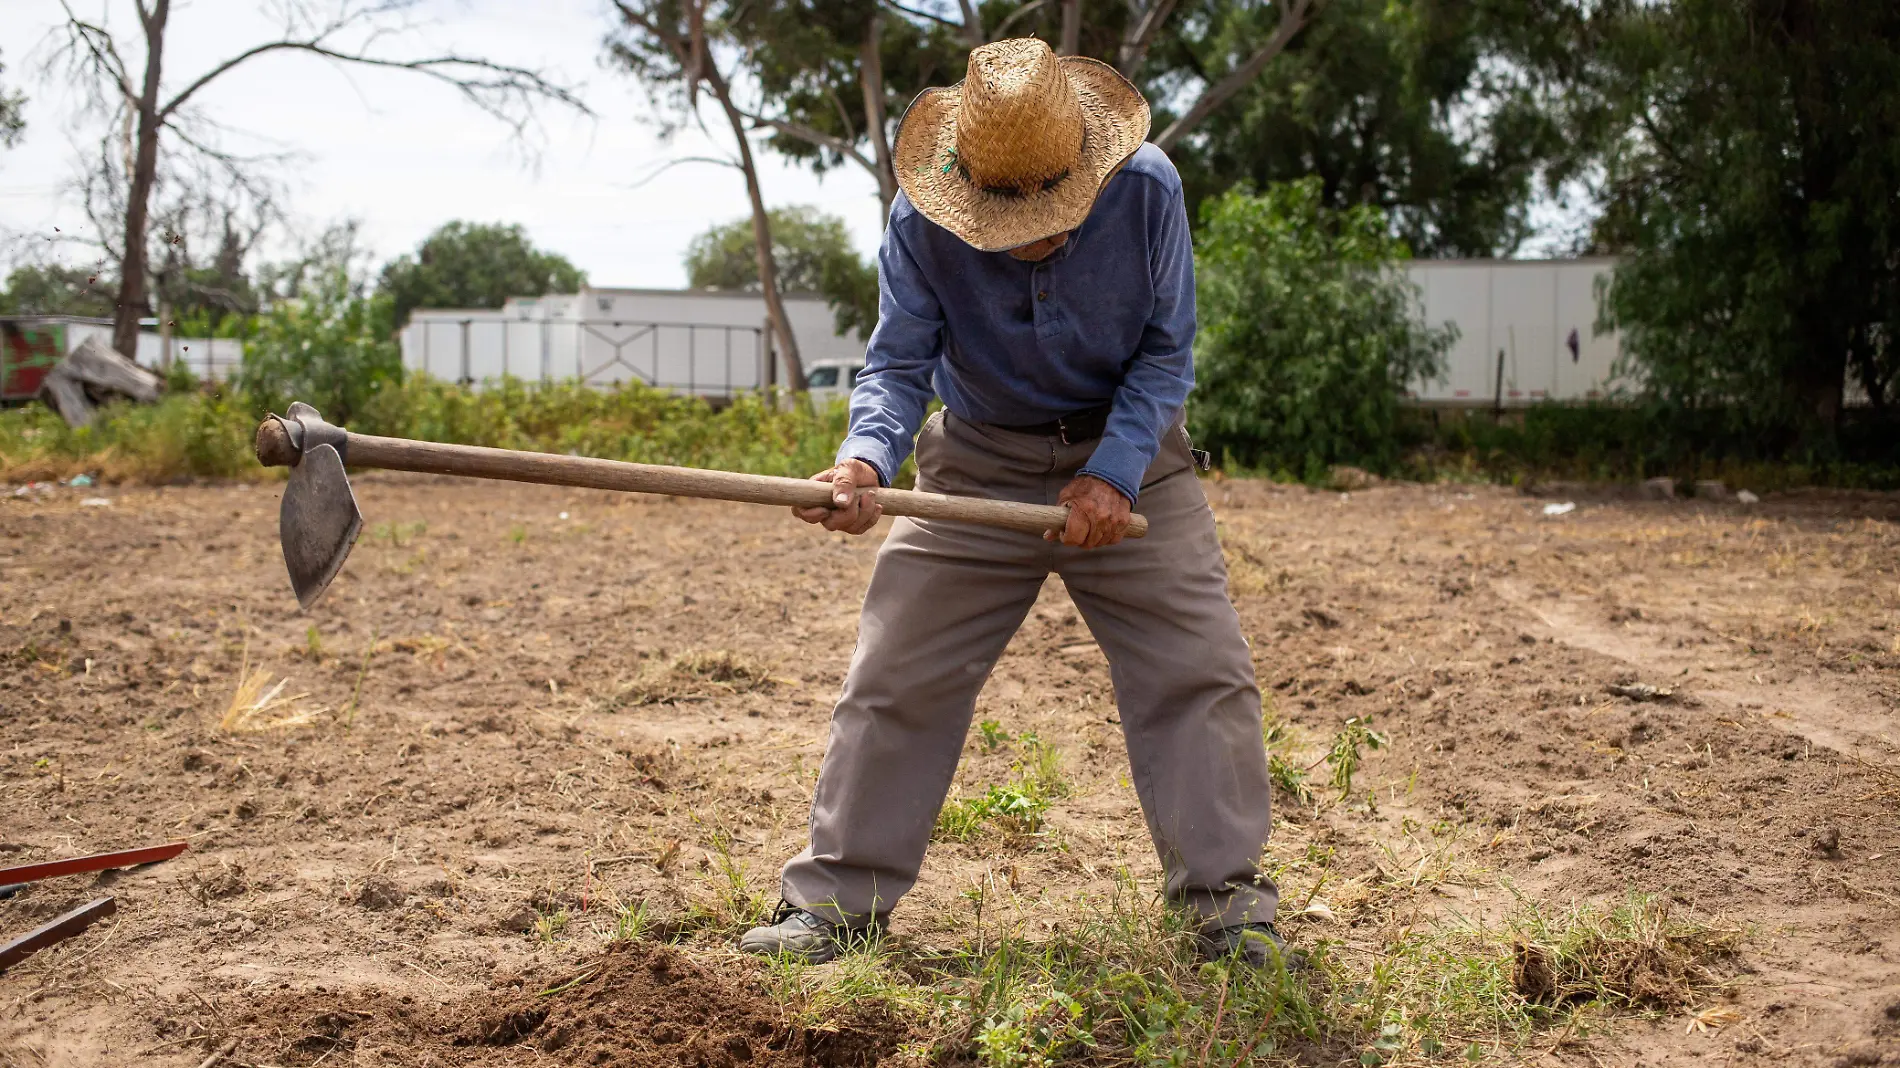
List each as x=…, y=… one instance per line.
x=55, y=931
x=124, y=858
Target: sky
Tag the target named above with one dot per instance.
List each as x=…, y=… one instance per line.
x=403, y=154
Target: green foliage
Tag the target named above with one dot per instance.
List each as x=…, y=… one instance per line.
x=813, y=254
x=209, y=435
x=1629, y=442
x=190, y=435
x=332, y=348
x=1749, y=167
x=1408, y=106
x=1016, y=807
x=628, y=422
x=56, y=290
x=474, y=265
x=1309, y=334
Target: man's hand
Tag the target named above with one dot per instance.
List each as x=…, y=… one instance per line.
x=848, y=512
x=1098, y=513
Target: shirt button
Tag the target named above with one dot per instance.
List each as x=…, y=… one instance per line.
x=1042, y=294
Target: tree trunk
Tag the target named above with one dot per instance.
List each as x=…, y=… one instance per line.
x=761, y=234
x=131, y=304
x=1071, y=42
x=871, y=77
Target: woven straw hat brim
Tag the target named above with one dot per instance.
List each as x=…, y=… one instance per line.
x=1115, y=120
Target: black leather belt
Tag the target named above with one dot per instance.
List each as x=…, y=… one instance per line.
x=1073, y=428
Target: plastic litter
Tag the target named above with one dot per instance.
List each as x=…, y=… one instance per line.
x=96, y=502
x=1746, y=497
x=80, y=481
x=1560, y=509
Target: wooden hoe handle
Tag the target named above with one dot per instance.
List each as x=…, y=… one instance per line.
x=274, y=449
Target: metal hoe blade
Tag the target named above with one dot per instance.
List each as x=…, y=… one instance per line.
x=319, y=522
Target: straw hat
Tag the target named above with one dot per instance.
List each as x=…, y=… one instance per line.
x=1018, y=150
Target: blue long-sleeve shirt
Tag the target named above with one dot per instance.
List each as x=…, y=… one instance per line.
x=1109, y=317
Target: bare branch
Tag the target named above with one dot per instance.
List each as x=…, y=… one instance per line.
x=672, y=163
x=486, y=84
x=917, y=13
x=100, y=47
x=1292, y=20
x=1002, y=28
x=816, y=137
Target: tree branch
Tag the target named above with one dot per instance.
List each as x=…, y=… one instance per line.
x=916, y=13
x=816, y=137
x=1002, y=28
x=972, y=23
x=105, y=55
x=475, y=79
x=1292, y=21
x=1141, y=34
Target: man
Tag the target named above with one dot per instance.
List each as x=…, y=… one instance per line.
x=1037, y=274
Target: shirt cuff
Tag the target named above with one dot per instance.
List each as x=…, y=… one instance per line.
x=873, y=452
x=1119, y=464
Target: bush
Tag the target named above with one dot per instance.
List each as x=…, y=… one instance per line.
x=185, y=435
x=194, y=435
x=333, y=348
x=1309, y=334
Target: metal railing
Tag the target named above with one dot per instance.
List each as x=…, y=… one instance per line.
x=708, y=359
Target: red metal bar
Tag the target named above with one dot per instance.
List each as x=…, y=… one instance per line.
x=55, y=931
x=124, y=858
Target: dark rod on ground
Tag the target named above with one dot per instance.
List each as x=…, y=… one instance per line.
x=124, y=858
x=55, y=931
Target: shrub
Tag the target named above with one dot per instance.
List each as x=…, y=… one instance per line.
x=1309, y=333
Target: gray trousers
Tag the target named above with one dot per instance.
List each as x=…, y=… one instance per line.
x=945, y=598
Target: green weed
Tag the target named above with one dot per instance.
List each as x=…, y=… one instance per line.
x=1345, y=755
x=1015, y=808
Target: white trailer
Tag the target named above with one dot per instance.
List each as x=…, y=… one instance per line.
x=702, y=342
x=1526, y=332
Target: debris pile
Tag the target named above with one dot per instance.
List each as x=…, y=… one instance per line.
x=91, y=375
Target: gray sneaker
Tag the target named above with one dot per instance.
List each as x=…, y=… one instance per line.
x=803, y=935
x=1257, y=945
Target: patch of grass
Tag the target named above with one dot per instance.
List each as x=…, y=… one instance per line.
x=398, y=535
x=1123, y=985
x=692, y=676
x=1015, y=808
x=549, y=926
x=1634, y=955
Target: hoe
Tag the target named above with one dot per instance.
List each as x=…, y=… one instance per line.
x=320, y=521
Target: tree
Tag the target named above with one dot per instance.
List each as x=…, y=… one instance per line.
x=94, y=58
x=1749, y=177
x=835, y=75
x=1309, y=334
x=12, y=114
x=669, y=46
x=814, y=255
x=475, y=265
x=56, y=290
x=1429, y=110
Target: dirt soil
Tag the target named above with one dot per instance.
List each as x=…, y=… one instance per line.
x=522, y=711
